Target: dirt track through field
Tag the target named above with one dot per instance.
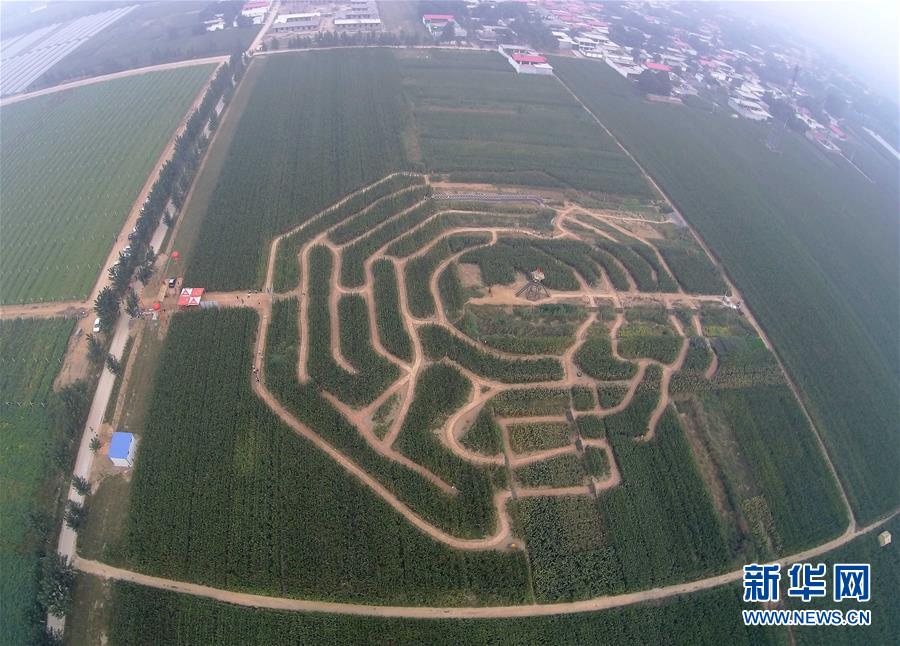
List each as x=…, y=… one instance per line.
x=102, y=570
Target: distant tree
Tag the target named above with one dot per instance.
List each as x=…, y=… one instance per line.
x=145, y=273
x=835, y=105
x=95, y=444
x=113, y=364
x=650, y=82
x=57, y=578
x=75, y=513
x=132, y=304
x=96, y=353
x=448, y=33
x=106, y=306
x=81, y=485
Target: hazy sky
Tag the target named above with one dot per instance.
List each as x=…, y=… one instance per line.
x=863, y=34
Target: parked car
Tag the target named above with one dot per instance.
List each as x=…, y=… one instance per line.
x=97, y=324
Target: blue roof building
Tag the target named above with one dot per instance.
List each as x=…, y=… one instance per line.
x=122, y=448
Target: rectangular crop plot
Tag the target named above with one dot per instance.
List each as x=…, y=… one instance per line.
x=479, y=121
x=73, y=164
x=317, y=126
x=30, y=352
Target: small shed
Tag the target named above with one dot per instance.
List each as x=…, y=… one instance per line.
x=884, y=538
x=122, y=448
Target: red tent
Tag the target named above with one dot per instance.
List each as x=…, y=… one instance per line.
x=190, y=297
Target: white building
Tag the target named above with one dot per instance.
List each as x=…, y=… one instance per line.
x=525, y=61
x=296, y=22
x=749, y=109
x=357, y=24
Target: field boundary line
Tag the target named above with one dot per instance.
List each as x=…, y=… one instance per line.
x=102, y=570
x=69, y=85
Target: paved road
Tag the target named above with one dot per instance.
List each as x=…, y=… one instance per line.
x=85, y=458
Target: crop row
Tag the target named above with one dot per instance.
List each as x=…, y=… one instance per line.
x=391, y=327
x=301, y=143
x=451, y=293
x=439, y=343
x=370, y=217
x=641, y=341
x=526, y=402
x=500, y=262
x=807, y=285
x=310, y=407
x=418, y=271
x=440, y=390
x=566, y=470
x=355, y=255
x=246, y=504
x=544, y=329
x=374, y=372
x=595, y=357
x=484, y=434
x=633, y=420
x=537, y=436
x=287, y=264
x=143, y=616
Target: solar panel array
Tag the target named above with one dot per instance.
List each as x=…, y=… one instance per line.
x=26, y=58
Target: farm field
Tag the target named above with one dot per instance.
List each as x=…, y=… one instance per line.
x=390, y=421
x=462, y=107
x=142, y=616
x=419, y=438
x=153, y=33
x=30, y=435
x=73, y=164
x=317, y=126
x=807, y=243
x=315, y=531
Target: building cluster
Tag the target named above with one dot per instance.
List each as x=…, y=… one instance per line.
x=443, y=26
x=256, y=11
x=686, y=55
x=315, y=16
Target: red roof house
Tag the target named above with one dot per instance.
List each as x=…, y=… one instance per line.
x=528, y=58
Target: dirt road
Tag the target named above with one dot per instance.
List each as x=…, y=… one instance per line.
x=109, y=77
x=472, y=612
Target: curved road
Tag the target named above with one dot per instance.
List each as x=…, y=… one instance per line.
x=468, y=612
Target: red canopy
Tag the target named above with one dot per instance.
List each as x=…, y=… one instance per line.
x=190, y=297
x=157, y=306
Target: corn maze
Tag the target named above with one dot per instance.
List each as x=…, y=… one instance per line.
x=389, y=336
x=416, y=367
